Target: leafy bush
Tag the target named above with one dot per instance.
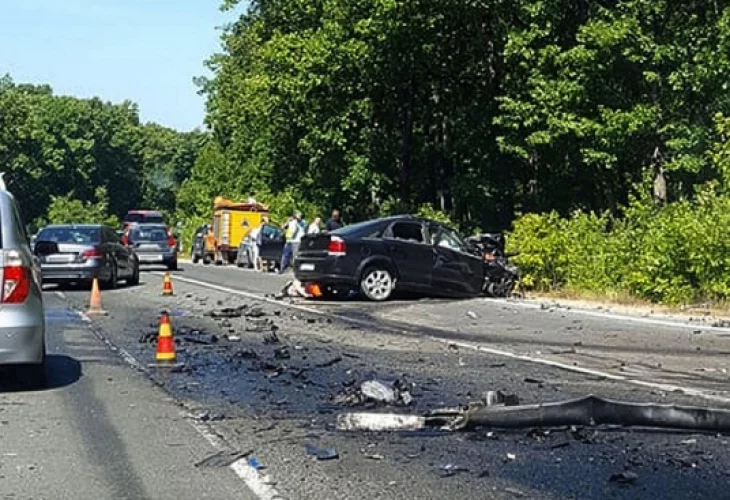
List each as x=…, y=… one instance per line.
x=69, y=210
x=673, y=254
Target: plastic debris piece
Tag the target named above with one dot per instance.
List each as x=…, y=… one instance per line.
x=321, y=453
x=378, y=391
x=253, y=462
x=625, y=477
x=223, y=458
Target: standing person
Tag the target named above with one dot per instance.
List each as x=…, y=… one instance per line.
x=315, y=226
x=255, y=243
x=334, y=222
x=293, y=233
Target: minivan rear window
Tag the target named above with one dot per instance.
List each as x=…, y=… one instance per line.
x=72, y=235
x=148, y=234
x=145, y=218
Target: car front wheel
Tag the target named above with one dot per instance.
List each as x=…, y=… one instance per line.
x=377, y=284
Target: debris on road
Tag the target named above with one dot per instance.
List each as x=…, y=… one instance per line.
x=378, y=391
x=449, y=470
x=321, y=453
x=255, y=464
x=587, y=411
x=282, y=353
x=472, y=315
x=201, y=339
x=292, y=289
x=271, y=338
x=330, y=362
x=625, y=477
x=223, y=458
x=378, y=422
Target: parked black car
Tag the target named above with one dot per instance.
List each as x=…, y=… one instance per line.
x=271, y=249
x=81, y=252
x=397, y=253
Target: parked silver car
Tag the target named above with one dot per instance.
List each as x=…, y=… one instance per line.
x=22, y=325
x=153, y=244
x=81, y=252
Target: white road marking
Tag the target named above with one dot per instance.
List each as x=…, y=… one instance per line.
x=692, y=391
x=258, y=484
x=617, y=317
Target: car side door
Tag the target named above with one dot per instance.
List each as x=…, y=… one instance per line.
x=272, y=243
x=455, y=270
x=406, y=244
x=121, y=253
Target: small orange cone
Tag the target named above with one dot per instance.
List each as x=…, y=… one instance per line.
x=314, y=290
x=165, y=341
x=167, y=285
x=95, y=308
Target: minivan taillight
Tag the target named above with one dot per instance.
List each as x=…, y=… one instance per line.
x=171, y=242
x=94, y=253
x=337, y=246
x=16, y=284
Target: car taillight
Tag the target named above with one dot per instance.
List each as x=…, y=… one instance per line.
x=91, y=254
x=16, y=279
x=337, y=246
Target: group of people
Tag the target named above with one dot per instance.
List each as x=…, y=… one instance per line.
x=294, y=229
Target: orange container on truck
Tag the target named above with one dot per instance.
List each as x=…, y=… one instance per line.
x=231, y=224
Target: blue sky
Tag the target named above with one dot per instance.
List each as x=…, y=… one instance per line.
x=147, y=51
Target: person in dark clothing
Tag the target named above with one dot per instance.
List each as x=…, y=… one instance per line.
x=334, y=222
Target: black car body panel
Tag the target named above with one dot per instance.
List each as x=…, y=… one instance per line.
x=421, y=255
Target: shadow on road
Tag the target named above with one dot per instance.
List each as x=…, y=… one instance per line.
x=61, y=371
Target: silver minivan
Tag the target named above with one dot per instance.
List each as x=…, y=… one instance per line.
x=22, y=325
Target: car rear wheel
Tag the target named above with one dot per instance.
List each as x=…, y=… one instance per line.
x=134, y=280
x=111, y=284
x=377, y=284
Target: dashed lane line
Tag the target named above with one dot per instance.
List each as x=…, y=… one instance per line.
x=258, y=485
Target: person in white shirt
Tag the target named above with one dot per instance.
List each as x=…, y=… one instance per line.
x=315, y=227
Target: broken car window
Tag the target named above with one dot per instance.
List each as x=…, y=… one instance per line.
x=407, y=231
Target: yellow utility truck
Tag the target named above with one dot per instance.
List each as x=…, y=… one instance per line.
x=232, y=222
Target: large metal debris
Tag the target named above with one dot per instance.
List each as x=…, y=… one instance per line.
x=593, y=410
x=588, y=411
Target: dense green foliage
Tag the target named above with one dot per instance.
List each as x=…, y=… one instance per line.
x=563, y=116
x=83, y=159
x=484, y=110
x=673, y=254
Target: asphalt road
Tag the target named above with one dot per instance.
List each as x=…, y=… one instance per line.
x=275, y=399
x=100, y=430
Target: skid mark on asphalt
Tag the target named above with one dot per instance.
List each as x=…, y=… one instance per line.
x=259, y=486
x=690, y=391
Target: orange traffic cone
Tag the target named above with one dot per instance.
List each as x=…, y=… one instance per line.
x=165, y=341
x=95, y=308
x=314, y=290
x=167, y=285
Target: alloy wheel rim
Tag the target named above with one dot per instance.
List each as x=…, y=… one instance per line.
x=378, y=284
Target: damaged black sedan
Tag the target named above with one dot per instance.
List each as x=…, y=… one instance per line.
x=402, y=253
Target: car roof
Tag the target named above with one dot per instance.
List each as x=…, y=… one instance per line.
x=79, y=226
x=144, y=212
x=149, y=225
